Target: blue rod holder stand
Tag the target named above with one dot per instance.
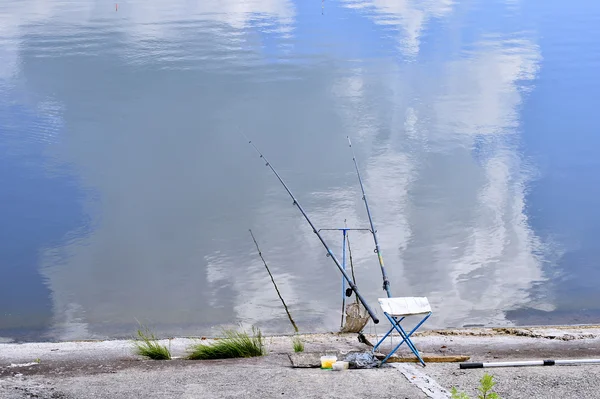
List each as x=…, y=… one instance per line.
x=344, y=231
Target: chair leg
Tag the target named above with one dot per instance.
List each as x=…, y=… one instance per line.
x=405, y=337
x=395, y=324
x=409, y=341
x=392, y=352
x=412, y=347
x=384, y=337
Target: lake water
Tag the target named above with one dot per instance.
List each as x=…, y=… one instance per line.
x=127, y=189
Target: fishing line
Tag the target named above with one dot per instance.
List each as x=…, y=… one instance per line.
x=329, y=252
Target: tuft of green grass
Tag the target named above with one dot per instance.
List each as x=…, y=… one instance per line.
x=234, y=344
x=486, y=384
x=147, y=345
x=298, y=344
x=458, y=395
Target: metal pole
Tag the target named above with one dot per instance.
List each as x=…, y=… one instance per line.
x=386, y=282
x=345, y=244
x=528, y=363
x=329, y=252
x=343, y=281
x=351, y=263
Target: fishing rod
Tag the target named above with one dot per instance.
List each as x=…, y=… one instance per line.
x=386, y=282
x=329, y=252
x=274, y=284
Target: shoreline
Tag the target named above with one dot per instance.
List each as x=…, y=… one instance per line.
x=476, y=342
x=457, y=331
x=466, y=330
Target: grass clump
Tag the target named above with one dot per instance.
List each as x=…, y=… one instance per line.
x=486, y=384
x=234, y=344
x=298, y=344
x=147, y=345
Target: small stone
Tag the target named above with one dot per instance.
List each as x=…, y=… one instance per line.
x=305, y=360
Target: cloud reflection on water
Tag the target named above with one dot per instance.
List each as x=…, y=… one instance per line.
x=408, y=16
x=440, y=160
x=448, y=191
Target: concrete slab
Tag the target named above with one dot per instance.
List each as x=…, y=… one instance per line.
x=269, y=377
x=109, y=369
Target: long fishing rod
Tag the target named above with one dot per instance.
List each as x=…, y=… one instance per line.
x=386, y=282
x=274, y=284
x=329, y=252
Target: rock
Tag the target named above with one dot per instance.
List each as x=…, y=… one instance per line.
x=305, y=360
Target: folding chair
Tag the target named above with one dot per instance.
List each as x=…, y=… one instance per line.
x=396, y=310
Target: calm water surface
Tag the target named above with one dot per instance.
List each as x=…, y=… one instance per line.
x=127, y=191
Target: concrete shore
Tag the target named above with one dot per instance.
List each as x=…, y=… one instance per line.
x=109, y=369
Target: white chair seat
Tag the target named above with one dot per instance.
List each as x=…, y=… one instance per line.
x=405, y=306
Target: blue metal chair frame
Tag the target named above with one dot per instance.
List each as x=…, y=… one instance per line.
x=395, y=321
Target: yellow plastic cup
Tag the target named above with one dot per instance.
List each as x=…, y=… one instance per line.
x=327, y=361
